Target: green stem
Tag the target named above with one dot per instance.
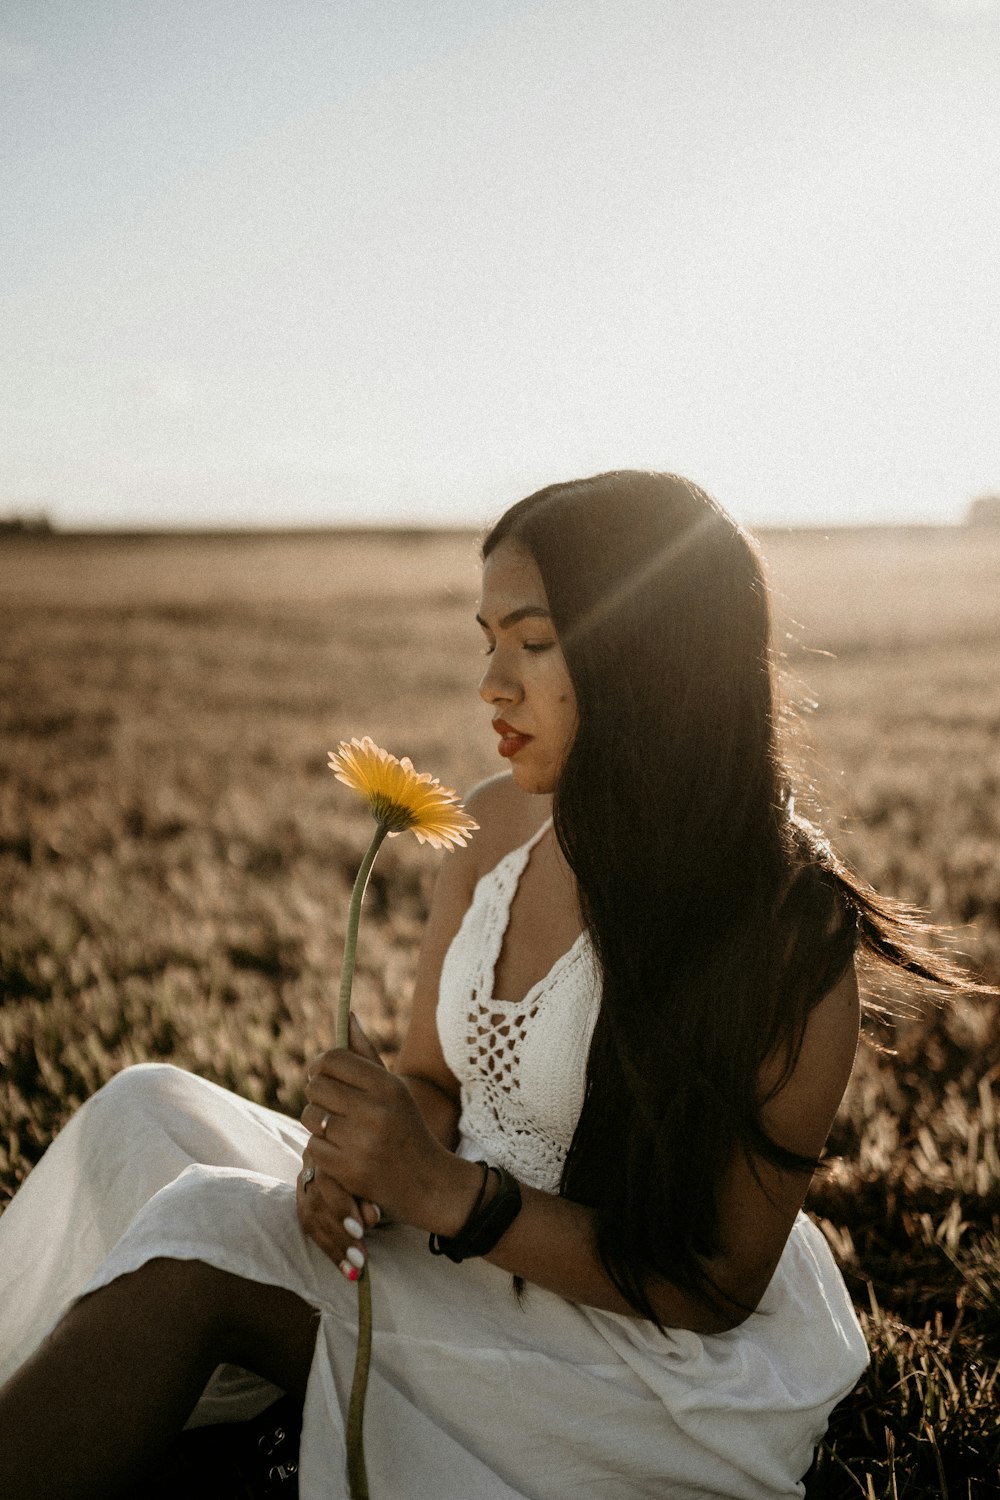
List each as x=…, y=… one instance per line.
x=357, y=1475
x=351, y=937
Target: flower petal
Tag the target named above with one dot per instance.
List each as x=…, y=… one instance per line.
x=400, y=797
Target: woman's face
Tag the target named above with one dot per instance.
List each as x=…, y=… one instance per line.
x=526, y=682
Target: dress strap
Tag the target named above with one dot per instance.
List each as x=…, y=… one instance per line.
x=502, y=881
x=536, y=837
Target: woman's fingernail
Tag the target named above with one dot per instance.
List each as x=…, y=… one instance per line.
x=355, y=1256
x=351, y=1272
x=378, y=1213
x=354, y=1228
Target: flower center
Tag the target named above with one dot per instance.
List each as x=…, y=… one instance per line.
x=392, y=815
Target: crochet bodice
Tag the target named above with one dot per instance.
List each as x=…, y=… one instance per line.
x=520, y=1064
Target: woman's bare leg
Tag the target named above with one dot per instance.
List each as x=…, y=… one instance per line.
x=115, y=1382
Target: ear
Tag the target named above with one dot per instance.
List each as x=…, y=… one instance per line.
x=360, y=1044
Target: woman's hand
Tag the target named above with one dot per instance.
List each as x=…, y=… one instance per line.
x=369, y=1138
x=334, y=1220
x=331, y=1217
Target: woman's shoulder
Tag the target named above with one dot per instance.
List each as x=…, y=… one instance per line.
x=814, y=899
x=507, y=818
x=816, y=982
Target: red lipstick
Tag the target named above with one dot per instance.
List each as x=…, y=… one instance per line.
x=510, y=740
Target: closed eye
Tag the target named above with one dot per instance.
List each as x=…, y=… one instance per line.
x=535, y=647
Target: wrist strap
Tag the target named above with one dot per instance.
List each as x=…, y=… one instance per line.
x=487, y=1223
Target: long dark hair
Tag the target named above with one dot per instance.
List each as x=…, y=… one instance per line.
x=718, y=917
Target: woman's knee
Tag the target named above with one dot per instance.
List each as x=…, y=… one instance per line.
x=146, y=1090
x=140, y=1083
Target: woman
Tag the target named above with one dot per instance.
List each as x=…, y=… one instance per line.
x=636, y=995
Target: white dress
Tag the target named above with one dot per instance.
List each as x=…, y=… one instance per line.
x=472, y=1396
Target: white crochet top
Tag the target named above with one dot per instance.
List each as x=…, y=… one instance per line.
x=520, y=1064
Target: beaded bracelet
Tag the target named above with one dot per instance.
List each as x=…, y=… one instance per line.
x=487, y=1223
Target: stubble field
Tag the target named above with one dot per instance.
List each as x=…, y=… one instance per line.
x=175, y=860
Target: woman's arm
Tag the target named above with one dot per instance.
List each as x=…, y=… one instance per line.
x=551, y=1241
x=379, y=1147
x=760, y=1201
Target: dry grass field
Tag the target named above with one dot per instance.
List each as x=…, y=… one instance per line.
x=175, y=860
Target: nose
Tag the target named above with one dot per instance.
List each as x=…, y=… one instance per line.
x=496, y=685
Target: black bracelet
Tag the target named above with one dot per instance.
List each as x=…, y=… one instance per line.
x=437, y=1242
x=486, y=1223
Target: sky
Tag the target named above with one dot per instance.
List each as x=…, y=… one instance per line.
x=322, y=262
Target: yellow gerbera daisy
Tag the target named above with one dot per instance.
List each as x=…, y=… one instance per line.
x=400, y=798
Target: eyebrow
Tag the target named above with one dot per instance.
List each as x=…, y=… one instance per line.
x=526, y=612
